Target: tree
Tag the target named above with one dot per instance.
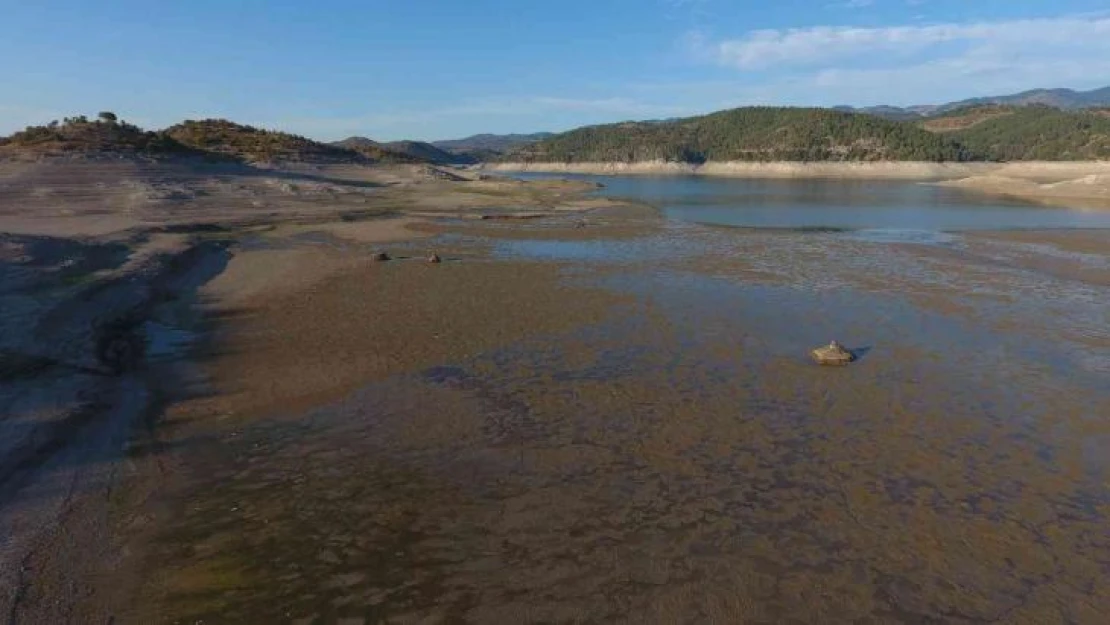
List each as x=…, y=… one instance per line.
x=107, y=117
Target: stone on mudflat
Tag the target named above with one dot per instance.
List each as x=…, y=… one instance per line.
x=832, y=354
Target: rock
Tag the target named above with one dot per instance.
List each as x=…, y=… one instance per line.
x=382, y=256
x=435, y=259
x=832, y=354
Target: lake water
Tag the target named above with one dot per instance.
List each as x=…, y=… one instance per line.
x=879, y=209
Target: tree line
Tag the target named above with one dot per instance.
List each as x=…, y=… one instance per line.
x=814, y=134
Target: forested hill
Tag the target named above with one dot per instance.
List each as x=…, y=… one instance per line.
x=105, y=135
x=751, y=134
x=1014, y=133
x=220, y=136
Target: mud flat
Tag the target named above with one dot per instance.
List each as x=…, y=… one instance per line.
x=602, y=416
x=661, y=447
x=101, y=262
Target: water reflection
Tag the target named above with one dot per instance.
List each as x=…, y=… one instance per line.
x=826, y=203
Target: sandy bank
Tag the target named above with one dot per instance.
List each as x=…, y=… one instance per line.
x=1091, y=190
x=78, y=198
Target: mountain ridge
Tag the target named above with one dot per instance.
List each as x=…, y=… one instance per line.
x=1061, y=98
x=768, y=134
x=757, y=134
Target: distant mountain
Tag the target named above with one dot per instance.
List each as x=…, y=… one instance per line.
x=749, y=134
x=1065, y=99
x=428, y=152
x=892, y=113
x=376, y=151
x=413, y=151
x=489, y=142
x=220, y=136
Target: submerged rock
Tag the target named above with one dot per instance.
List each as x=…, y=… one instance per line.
x=833, y=354
x=382, y=256
x=435, y=259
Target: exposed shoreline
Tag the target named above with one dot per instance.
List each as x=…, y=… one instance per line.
x=1080, y=183
x=425, y=432
x=89, y=250
x=345, y=436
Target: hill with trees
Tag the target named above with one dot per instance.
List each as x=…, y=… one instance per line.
x=107, y=135
x=981, y=132
x=424, y=151
x=248, y=143
x=750, y=134
x=488, y=146
x=375, y=151
x=410, y=151
x=1016, y=133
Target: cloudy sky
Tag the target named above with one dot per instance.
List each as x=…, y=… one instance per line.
x=430, y=69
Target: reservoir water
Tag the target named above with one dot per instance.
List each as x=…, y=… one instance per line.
x=896, y=209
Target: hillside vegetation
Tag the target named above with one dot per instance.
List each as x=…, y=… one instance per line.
x=213, y=139
x=81, y=136
x=488, y=147
x=423, y=151
x=750, y=134
x=1017, y=133
x=375, y=151
x=248, y=143
x=966, y=118
x=990, y=132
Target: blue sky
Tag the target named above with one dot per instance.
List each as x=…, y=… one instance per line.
x=430, y=69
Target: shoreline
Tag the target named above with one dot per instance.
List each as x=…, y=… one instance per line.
x=86, y=247
x=901, y=170
x=1079, y=184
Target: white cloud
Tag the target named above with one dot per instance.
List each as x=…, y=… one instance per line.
x=911, y=64
x=823, y=45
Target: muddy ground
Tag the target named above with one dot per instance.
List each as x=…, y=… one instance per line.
x=597, y=416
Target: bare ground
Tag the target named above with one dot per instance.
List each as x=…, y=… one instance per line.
x=101, y=262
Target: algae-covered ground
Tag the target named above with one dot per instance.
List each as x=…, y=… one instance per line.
x=565, y=427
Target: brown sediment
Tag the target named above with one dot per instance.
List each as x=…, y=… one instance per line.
x=500, y=439
x=552, y=453
x=351, y=322
x=86, y=245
